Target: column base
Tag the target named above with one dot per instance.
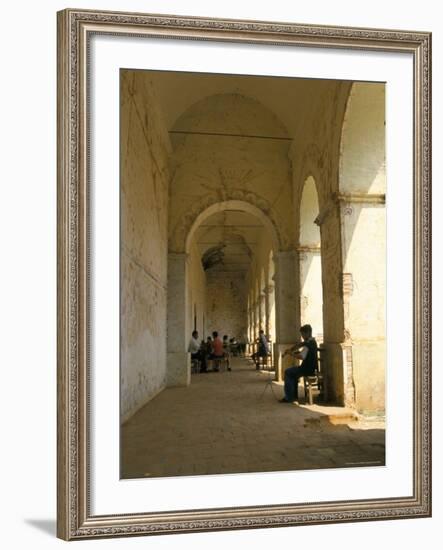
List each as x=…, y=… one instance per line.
x=335, y=369
x=178, y=369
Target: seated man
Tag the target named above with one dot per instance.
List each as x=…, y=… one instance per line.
x=262, y=351
x=217, y=350
x=194, y=350
x=207, y=351
x=308, y=356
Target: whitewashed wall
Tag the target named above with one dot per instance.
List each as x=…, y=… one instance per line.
x=144, y=203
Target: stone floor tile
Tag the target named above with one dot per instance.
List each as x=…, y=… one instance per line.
x=222, y=423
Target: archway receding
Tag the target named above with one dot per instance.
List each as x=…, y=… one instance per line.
x=227, y=251
x=233, y=206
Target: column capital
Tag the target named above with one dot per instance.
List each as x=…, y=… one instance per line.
x=362, y=198
x=313, y=249
x=285, y=254
x=343, y=200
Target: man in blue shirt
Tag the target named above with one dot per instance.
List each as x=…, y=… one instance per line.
x=262, y=351
x=308, y=367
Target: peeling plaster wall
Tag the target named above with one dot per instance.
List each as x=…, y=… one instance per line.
x=363, y=173
x=363, y=161
x=365, y=300
x=226, y=303
x=144, y=207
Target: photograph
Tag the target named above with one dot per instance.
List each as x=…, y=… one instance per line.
x=252, y=273
x=243, y=274
x=220, y=235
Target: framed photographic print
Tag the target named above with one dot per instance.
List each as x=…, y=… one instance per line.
x=243, y=274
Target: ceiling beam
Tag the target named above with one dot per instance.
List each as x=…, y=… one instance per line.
x=217, y=134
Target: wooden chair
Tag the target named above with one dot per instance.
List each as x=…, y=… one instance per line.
x=224, y=363
x=315, y=385
x=195, y=366
x=217, y=363
x=266, y=361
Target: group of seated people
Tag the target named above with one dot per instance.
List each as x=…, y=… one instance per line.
x=214, y=350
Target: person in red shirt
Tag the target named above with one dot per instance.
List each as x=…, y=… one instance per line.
x=217, y=347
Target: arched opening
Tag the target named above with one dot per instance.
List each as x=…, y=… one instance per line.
x=233, y=206
x=224, y=277
x=311, y=291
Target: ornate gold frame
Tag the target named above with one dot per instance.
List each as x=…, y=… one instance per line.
x=74, y=30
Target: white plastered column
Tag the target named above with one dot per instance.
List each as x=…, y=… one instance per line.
x=178, y=359
x=361, y=200
x=256, y=318
x=271, y=309
x=268, y=291
x=262, y=312
x=363, y=227
x=286, y=307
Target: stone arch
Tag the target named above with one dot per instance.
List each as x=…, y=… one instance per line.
x=232, y=112
x=362, y=167
x=219, y=156
x=185, y=238
x=314, y=165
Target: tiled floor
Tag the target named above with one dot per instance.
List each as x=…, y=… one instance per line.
x=224, y=423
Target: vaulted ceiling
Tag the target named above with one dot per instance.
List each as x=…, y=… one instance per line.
x=294, y=101
x=228, y=240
